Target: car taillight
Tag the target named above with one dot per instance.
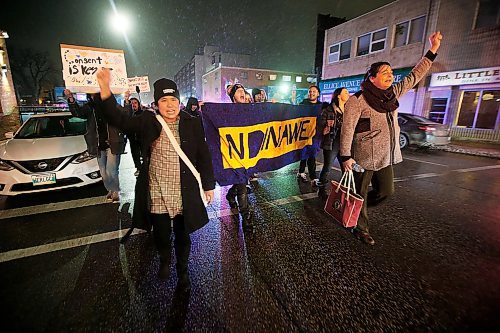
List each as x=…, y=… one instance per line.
x=427, y=128
x=83, y=157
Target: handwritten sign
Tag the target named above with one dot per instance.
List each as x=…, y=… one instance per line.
x=141, y=81
x=80, y=65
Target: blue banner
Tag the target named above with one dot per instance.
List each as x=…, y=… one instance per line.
x=244, y=139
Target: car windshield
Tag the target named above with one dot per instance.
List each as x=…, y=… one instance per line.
x=52, y=126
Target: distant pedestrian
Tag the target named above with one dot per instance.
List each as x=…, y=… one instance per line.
x=248, y=97
x=331, y=123
x=105, y=142
x=370, y=131
x=256, y=95
x=192, y=107
x=135, y=110
x=312, y=99
x=168, y=187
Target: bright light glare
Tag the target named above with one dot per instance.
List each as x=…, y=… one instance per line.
x=120, y=22
x=284, y=88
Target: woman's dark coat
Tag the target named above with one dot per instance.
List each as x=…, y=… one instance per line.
x=193, y=143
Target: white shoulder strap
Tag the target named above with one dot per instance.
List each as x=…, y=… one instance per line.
x=183, y=156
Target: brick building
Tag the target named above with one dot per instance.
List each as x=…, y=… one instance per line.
x=463, y=87
x=285, y=87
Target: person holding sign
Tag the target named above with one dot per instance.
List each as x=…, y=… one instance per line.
x=370, y=131
x=104, y=141
x=176, y=175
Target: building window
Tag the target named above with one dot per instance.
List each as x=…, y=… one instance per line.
x=438, y=110
x=339, y=51
x=272, y=77
x=298, y=79
x=372, y=42
x=244, y=75
x=479, y=109
x=216, y=90
x=488, y=14
x=258, y=76
x=409, y=32
x=287, y=78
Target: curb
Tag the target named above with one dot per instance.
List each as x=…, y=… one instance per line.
x=465, y=151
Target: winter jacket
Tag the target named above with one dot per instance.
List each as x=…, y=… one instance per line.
x=193, y=143
x=370, y=137
x=331, y=112
x=115, y=140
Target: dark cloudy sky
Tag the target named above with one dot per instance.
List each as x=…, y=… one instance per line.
x=279, y=34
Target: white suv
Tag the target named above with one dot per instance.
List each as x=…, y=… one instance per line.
x=47, y=152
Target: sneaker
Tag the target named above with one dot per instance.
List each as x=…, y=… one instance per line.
x=115, y=196
x=253, y=177
x=247, y=222
x=315, y=182
x=136, y=173
x=302, y=176
x=108, y=196
x=363, y=236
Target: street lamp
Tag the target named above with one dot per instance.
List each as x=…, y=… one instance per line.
x=120, y=22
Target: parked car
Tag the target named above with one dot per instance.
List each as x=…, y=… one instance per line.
x=47, y=152
x=420, y=131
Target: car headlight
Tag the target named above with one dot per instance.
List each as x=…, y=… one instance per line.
x=4, y=166
x=83, y=157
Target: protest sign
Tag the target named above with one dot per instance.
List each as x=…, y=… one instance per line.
x=80, y=65
x=141, y=81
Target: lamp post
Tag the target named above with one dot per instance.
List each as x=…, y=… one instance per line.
x=8, y=101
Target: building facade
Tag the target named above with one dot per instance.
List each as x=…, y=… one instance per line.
x=189, y=77
x=280, y=86
x=462, y=89
x=8, y=99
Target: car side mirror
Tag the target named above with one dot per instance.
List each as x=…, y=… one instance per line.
x=9, y=135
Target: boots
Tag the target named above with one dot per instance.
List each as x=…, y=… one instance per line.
x=165, y=261
x=182, y=256
x=231, y=197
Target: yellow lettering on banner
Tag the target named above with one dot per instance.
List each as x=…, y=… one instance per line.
x=279, y=138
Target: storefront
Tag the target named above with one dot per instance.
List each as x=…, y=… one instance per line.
x=469, y=101
x=353, y=84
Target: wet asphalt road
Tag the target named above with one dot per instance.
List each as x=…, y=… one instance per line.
x=435, y=265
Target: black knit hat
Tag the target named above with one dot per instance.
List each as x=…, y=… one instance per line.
x=165, y=87
x=233, y=90
x=255, y=91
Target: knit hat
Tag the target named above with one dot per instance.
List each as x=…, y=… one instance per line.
x=233, y=90
x=255, y=91
x=165, y=87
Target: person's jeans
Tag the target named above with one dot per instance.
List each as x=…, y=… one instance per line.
x=108, y=166
x=328, y=158
x=311, y=166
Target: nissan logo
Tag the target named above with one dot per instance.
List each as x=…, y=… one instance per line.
x=42, y=165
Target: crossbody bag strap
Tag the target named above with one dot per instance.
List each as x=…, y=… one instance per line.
x=183, y=157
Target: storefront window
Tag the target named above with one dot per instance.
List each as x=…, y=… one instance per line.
x=479, y=109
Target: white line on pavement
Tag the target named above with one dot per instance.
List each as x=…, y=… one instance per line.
x=63, y=245
x=422, y=161
x=98, y=238
x=487, y=167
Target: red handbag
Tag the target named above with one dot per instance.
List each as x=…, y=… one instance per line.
x=343, y=203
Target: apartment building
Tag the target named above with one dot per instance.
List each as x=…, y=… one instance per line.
x=463, y=87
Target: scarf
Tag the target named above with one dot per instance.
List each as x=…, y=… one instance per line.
x=382, y=101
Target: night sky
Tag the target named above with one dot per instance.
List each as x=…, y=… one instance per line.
x=279, y=34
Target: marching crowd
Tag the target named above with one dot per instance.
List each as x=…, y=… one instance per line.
x=174, y=168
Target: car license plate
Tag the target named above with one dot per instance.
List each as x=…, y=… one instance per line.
x=49, y=178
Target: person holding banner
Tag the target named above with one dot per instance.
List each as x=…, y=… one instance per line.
x=104, y=141
x=370, y=132
x=176, y=176
x=237, y=94
x=312, y=99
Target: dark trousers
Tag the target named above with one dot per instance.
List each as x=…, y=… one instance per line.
x=311, y=166
x=382, y=188
x=135, y=149
x=162, y=232
x=240, y=192
x=328, y=157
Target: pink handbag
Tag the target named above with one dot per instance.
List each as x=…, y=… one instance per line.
x=343, y=203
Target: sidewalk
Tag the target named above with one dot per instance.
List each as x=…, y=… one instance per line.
x=486, y=149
